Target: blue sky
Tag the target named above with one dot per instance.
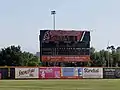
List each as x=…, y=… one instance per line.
x=21, y=20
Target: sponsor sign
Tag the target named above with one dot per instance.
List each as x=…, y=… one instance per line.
x=80, y=72
x=66, y=58
x=26, y=73
x=49, y=72
x=71, y=72
x=92, y=72
x=4, y=73
x=111, y=73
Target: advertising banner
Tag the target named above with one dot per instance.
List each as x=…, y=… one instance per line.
x=4, y=73
x=26, y=73
x=49, y=72
x=92, y=72
x=111, y=73
x=71, y=72
x=66, y=58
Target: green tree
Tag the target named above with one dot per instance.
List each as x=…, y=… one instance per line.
x=112, y=56
x=13, y=56
x=118, y=56
x=102, y=57
x=106, y=57
x=10, y=56
x=28, y=59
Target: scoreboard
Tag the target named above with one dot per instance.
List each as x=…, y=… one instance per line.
x=61, y=45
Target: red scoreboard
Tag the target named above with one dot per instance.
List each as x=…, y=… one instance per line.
x=64, y=46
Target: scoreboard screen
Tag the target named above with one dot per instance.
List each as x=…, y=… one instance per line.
x=61, y=45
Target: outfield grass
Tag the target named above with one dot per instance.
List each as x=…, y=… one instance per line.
x=60, y=84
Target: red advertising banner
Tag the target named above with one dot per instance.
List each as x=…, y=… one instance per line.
x=49, y=72
x=66, y=58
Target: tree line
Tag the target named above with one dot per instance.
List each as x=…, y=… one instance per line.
x=105, y=58
x=14, y=56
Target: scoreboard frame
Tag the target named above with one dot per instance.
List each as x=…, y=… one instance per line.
x=63, y=58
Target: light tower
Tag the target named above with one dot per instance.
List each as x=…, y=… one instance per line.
x=53, y=14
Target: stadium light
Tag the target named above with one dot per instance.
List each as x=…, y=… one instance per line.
x=53, y=13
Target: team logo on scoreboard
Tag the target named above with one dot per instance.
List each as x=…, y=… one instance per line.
x=46, y=35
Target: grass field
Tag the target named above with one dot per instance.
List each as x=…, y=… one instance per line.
x=91, y=84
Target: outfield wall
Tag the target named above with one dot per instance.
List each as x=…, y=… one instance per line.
x=59, y=73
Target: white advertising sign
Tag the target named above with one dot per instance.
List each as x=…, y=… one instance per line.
x=26, y=73
x=92, y=72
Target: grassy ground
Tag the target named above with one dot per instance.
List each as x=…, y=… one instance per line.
x=60, y=84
